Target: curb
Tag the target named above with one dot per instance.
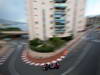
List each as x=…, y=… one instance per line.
x=39, y=62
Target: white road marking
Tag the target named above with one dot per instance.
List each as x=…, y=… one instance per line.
x=25, y=60
x=97, y=41
x=1, y=63
x=23, y=56
x=62, y=57
x=28, y=62
x=59, y=59
x=48, y=63
x=3, y=58
x=32, y=63
x=37, y=64
x=42, y=64
x=54, y=61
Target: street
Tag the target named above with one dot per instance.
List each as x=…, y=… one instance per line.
x=90, y=65
x=83, y=60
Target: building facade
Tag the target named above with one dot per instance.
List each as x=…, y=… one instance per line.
x=93, y=20
x=61, y=18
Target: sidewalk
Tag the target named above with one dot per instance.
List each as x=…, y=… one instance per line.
x=35, y=59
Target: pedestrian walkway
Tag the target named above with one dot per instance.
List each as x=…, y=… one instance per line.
x=3, y=50
x=3, y=59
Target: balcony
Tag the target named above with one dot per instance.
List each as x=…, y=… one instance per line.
x=59, y=13
x=59, y=31
x=56, y=16
x=60, y=28
x=59, y=18
x=59, y=23
x=60, y=6
x=60, y=1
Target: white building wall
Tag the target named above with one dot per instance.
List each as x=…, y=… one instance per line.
x=80, y=15
x=29, y=19
x=41, y=23
x=49, y=20
x=70, y=16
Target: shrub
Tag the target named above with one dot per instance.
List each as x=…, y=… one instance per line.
x=68, y=38
x=10, y=29
x=35, y=42
x=56, y=41
x=43, y=48
x=46, y=46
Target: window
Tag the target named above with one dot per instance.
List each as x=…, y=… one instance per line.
x=68, y=22
x=37, y=34
x=68, y=9
x=80, y=22
x=51, y=8
x=35, y=15
x=51, y=15
x=36, y=22
x=51, y=27
x=35, y=1
x=35, y=8
x=43, y=3
x=52, y=22
x=51, y=1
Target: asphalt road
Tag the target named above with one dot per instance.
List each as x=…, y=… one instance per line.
x=90, y=65
x=83, y=60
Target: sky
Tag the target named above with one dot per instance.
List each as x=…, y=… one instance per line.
x=16, y=9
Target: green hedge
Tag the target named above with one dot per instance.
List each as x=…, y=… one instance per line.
x=35, y=42
x=44, y=48
x=57, y=42
x=68, y=38
x=10, y=29
x=48, y=45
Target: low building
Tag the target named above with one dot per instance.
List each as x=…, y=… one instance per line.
x=93, y=20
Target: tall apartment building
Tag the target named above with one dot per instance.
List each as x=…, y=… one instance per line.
x=48, y=18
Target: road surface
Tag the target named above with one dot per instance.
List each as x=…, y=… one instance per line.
x=83, y=60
